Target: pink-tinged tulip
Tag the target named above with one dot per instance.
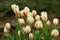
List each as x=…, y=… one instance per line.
x=30, y=36
x=34, y=13
x=55, y=33
x=48, y=23
x=38, y=24
x=8, y=26
x=21, y=22
x=37, y=17
x=44, y=16
x=26, y=10
x=30, y=20
x=22, y=14
x=27, y=29
x=55, y=21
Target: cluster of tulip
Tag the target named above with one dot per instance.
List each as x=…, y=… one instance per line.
x=31, y=25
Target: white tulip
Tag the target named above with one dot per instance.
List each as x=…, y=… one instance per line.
x=21, y=21
x=44, y=16
x=15, y=8
x=34, y=13
x=27, y=29
x=39, y=24
x=19, y=32
x=55, y=21
x=37, y=17
x=8, y=26
x=30, y=20
x=26, y=10
x=30, y=36
x=6, y=30
x=48, y=23
x=55, y=33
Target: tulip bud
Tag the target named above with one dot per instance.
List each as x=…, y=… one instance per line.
x=27, y=29
x=21, y=22
x=30, y=20
x=26, y=10
x=34, y=13
x=37, y=17
x=44, y=16
x=55, y=33
x=22, y=14
x=19, y=32
x=15, y=8
x=8, y=26
x=55, y=21
x=30, y=36
x=6, y=30
x=39, y=24
x=48, y=23
x=29, y=14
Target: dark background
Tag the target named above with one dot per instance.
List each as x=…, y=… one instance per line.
x=51, y=6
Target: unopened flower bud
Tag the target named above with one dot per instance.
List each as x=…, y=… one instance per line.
x=34, y=13
x=21, y=22
x=44, y=16
x=27, y=29
x=48, y=23
x=15, y=8
x=8, y=26
x=6, y=30
x=30, y=36
x=22, y=14
x=37, y=17
x=55, y=21
x=30, y=20
x=39, y=24
x=26, y=10
x=19, y=32
x=55, y=33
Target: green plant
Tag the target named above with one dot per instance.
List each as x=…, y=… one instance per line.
x=30, y=26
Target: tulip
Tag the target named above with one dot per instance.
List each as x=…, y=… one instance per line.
x=15, y=8
x=22, y=14
x=26, y=10
x=30, y=36
x=48, y=23
x=55, y=21
x=19, y=32
x=21, y=21
x=44, y=16
x=55, y=33
x=34, y=13
x=8, y=26
x=6, y=30
x=39, y=24
x=30, y=20
x=27, y=29
x=37, y=17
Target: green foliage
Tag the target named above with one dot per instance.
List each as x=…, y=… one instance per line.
x=38, y=34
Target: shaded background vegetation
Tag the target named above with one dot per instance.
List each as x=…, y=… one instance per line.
x=51, y=6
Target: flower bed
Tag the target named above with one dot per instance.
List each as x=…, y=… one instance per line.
x=30, y=25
